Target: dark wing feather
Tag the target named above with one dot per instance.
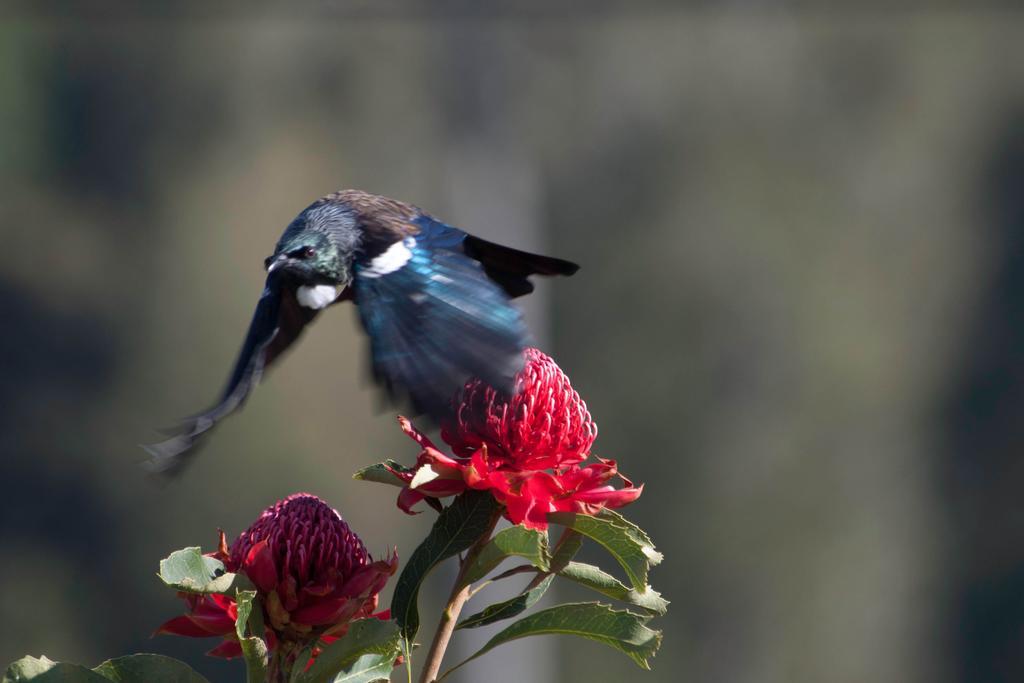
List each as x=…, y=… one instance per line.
x=511, y=268
x=277, y=322
x=437, y=321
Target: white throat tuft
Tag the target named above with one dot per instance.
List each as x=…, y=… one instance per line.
x=316, y=297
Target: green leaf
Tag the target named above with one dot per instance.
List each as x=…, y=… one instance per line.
x=632, y=550
x=530, y=544
x=653, y=556
x=190, y=571
x=140, y=668
x=595, y=578
x=508, y=608
x=380, y=473
x=148, y=668
x=360, y=654
x=43, y=670
x=367, y=669
x=459, y=526
x=249, y=629
x=254, y=649
x=621, y=630
x=27, y=667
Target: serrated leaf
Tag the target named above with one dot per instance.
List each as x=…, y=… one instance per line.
x=190, y=571
x=619, y=629
x=456, y=529
x=507, y=609
x=368, y=644
x=27, y=667
x=367, y=669
x=629, y=549
x=43, y=670
x=597, y=579
x=254, y=649
x=380, y=473
x=653, y=556
x=517, y=541
x=149, y=668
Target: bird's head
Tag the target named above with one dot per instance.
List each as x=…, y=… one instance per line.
x=309, y=257
x=317, y=247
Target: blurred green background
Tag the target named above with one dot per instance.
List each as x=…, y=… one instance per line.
x=799, y=318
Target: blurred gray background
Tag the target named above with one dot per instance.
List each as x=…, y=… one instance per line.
x=799, y=317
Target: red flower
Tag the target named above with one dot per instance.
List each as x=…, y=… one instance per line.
x=311, y=569
x=544, y=424
x=312, y=574
x=526, y=449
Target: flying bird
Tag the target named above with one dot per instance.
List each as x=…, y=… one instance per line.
x=435, y=302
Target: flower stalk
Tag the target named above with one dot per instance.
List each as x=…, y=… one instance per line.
x=461, y=592
x=280, y=666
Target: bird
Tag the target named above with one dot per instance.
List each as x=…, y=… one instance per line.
x=434, y=300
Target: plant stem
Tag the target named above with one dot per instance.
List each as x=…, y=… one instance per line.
x=282, y=662
x=275, y=668
x=450, y=615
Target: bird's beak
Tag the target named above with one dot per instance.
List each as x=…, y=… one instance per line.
x=274, y=262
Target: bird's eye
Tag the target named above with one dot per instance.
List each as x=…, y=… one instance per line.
x=303, y=252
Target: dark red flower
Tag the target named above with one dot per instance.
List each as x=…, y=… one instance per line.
x=312, y=573
x=526, y=449
x=312, y=570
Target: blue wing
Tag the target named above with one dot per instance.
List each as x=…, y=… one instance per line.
x=435, y=319
x=277, y=322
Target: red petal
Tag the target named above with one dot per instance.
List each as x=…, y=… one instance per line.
x=259, y=567
x=440, y=461
x=413, y=433
x=229, y=649
x=214, y=623
x=321, y=612
x=407, y=498
x=477, y=470
x=223, y=601
x=367, y=581
x=183, y=626
x=590, y=490
x=442, y=487
x=532, y=503
x=623, y=497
